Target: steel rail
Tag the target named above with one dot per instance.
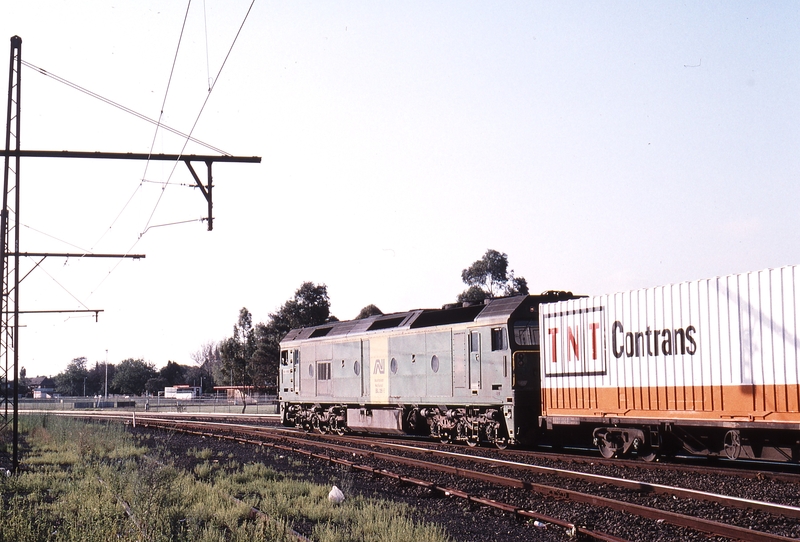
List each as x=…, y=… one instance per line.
x=673, y=518
x=636, y=485
x=701, y=465
x=571, y=529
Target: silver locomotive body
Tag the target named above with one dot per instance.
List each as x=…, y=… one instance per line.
x=468, y=373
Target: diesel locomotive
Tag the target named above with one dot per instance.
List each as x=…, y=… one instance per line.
x=467, y=373
x=708, y=367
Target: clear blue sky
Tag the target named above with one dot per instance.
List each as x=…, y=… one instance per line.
x=603, y=146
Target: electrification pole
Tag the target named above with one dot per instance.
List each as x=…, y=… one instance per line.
x=9, y=237
x=9, y=304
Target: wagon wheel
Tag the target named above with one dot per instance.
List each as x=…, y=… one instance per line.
x=606, y=450
x=648, y=453
x=732, y=444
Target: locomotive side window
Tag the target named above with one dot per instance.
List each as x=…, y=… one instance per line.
x=474, y=341
x=526, y=332
x=499, y=339
x=475, y=360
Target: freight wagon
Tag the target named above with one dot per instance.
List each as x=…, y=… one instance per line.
x=708, y=367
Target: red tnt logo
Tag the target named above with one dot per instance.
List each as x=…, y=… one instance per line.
x=577, y=339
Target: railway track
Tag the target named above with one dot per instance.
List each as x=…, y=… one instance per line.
x=544, y=495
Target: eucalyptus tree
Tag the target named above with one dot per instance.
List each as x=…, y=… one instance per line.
x=490, y=277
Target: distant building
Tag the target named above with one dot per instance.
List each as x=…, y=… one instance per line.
x=40, y=387
x=238, y=394
x=183, y=391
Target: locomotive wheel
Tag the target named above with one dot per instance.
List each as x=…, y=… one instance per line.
x=444, y=437
x=335, y=427
x=317, y=425
x=472, y=441
x=732, y=444
x=493, y=436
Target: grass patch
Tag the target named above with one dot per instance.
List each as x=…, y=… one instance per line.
x=97, y=482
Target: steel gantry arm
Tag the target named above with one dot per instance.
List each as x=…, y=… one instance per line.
x=185, y=158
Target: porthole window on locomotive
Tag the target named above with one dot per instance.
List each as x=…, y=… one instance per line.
x=435, y=364
x=357, y=367
x=310, y=370
x=393, y=366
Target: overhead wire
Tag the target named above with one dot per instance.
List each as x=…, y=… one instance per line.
x=123, y=108
x=87, y=251
x=64, y=288
x=152, y=145
x=158, y=124
x=205, y=28
x=186, y=142
x=199, y=114
x=166, y=90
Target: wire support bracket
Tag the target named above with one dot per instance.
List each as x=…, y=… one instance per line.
x=187, y=159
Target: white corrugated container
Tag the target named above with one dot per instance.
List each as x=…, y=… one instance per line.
x=726, y=347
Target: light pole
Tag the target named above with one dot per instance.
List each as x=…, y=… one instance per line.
x=106, y=374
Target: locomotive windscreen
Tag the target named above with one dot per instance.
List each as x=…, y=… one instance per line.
x=526, y=332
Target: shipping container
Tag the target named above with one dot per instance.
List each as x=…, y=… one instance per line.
x=708, y=366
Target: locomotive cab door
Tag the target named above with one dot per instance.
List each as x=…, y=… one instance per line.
x=290, y=360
